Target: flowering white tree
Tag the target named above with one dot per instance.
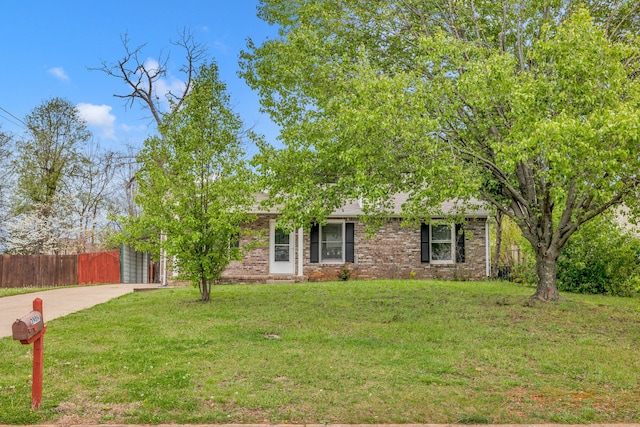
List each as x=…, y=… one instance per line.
x=5, y=183
x=36, y=232
x=29, y=233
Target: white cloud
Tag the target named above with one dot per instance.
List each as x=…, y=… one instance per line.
x=173, y=85
x=129, y=128
x=163, y=86
x=59, y=73
x=151, y=65
x=99, y=116
x=220, y=46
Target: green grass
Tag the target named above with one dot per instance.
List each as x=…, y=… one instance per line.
x=348, y=352
x=8, y=292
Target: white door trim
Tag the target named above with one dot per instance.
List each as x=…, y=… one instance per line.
x=281, y=266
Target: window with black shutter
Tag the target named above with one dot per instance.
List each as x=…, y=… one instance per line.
x=349, y=242
x=424, y=243
x=333, y=242
x=460, y=256
x=314, y=250
x=442, y=243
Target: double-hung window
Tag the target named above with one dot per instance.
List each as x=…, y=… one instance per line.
x=442, y=243
x=332, y=242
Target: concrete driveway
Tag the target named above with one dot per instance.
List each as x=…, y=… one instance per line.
x=60, y=302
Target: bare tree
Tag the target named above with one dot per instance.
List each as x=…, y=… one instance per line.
x=143, y=77
x=92, y=190
x=123, y=200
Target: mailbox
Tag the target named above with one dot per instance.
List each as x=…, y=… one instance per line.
x=28, y=326
x=30, y=329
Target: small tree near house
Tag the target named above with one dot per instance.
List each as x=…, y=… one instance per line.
x=194, y=185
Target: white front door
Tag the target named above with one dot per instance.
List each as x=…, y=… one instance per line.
x=281, y=250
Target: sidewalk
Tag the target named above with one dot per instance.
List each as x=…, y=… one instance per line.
x=60, y=302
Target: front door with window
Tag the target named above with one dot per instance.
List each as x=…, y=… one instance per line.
x=281, y=251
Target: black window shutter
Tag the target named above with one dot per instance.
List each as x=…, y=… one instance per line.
x=349, y=242
x=459, y=243
x=314, y=250
x=424, y=243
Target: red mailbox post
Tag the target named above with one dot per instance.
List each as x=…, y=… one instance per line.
x=30, y=329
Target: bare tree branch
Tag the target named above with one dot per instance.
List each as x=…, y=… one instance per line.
x=142, y=77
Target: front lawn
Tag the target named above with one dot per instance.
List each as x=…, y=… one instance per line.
x=348, y=352
x=9, y=292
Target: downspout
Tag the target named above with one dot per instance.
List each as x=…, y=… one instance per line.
x=300, y=252
x=487, y=247
x=121, y=262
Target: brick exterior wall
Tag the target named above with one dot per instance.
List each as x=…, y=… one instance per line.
x=256, y=261
x=392, y=252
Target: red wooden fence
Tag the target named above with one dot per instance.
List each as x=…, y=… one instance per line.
x=99, y=267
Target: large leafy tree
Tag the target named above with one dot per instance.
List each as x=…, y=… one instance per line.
x=530, y=105
x=194, y=187
x=47, y=160
x=49, y=155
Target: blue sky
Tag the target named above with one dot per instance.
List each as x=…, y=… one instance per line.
x=47, y=47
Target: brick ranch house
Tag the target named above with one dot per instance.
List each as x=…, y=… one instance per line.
x=438, y=250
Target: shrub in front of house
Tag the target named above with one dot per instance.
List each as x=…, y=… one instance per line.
x=601, y=258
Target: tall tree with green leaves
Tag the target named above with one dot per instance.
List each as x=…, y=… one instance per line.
x=47, y=160
x=194, y=186
x=530, y=105
x=49, y=155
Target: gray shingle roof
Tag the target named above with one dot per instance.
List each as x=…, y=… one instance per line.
x=474, y=208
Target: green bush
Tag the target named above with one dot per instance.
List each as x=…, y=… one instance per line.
x=525, y=272
x=600, y=258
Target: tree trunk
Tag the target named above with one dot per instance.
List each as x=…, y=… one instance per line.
x=205, y=290
x=546, y=264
